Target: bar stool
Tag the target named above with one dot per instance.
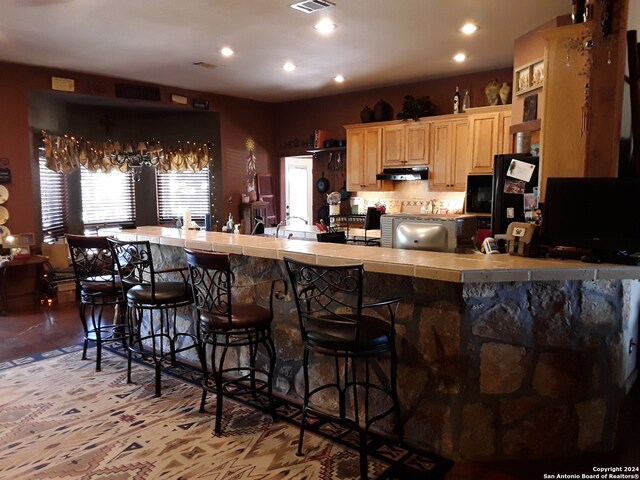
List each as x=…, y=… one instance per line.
x=153, y=299
x=225, y=324
x=99, y=288
x=332, y=323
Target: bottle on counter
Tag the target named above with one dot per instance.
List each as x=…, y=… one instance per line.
x=588, y=10
x=456, y=101
x=466, y=101
x=230, y=224
x=577, y=11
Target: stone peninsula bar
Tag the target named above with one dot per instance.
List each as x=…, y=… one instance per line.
x=500, y=356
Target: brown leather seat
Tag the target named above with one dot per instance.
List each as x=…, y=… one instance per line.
x=99, y=289
x=329, y=300
x=225, y=324
x=153, y=297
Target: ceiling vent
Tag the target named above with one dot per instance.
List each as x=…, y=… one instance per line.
x=204, y=65
x=311, y=6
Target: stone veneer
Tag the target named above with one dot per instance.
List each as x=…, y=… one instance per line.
x=487, y=370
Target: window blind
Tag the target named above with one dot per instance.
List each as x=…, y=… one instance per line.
x=107, y=198
x=53, y=197
x=178, y=191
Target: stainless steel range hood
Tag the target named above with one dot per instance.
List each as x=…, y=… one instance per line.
x=404, y=173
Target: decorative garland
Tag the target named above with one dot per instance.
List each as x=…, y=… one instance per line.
x=65, y=154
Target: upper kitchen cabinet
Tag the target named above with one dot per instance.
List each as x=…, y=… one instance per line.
x=405, y=144
x=364, y=158
x=488, y=135
x=449, y=154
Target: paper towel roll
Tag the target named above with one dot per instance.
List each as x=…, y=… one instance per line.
x=186, y=218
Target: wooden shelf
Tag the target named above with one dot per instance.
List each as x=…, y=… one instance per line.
x=331, y=149
x=530, y=126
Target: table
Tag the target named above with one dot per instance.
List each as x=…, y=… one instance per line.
x=17, y=264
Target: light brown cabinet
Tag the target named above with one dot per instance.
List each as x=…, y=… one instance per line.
x=405, y=144
x=488, y=136
x=449, y=154
x=364, y=159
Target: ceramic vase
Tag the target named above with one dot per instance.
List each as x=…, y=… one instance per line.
x=382, y=111
x=366, y=115
x=505, y=90
x=492, y=91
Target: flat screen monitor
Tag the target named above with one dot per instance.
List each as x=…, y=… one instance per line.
x=601, y=214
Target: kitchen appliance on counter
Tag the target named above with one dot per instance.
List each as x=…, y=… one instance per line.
x=515, y=176
x=438, y=233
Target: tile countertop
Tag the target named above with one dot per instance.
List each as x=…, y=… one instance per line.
x=451, y=267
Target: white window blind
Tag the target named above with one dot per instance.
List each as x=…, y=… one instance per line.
x=178, y=191
x=107, y=198
x=53, y=196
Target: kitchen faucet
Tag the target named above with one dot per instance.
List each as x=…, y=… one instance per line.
x=259, y=221
x=284, y=222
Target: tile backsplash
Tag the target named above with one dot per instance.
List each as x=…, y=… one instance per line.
x=411, y=197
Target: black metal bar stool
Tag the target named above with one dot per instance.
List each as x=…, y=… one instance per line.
x=99, y=289
x=223, y=324
x=153, y=299
x=332, y=322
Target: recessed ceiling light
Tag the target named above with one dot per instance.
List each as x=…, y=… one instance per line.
x=289, y=67
x=459, y=57
x=339, y=78
x=226, y=51
x=468, y=28
x=325, y=26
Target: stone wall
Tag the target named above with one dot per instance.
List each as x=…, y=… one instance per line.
x=486, y=371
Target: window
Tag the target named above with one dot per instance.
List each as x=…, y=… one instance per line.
x=53, y=195
x=107, y=198
x=178, y=191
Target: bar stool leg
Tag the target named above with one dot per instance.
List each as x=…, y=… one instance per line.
x=305, y=406
x=98, y=333
x=219, y=388
x=83, y=319
x=394, y=393
x=271, y=352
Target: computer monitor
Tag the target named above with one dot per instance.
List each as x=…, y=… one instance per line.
x=600, y=214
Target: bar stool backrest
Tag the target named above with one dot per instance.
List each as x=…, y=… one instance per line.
x=328, y=293
x=211, y=279
x=134, y=262
x=91, y=259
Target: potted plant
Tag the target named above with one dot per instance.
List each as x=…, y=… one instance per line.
x=416, y=107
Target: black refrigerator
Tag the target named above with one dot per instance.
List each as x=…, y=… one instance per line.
x=515, y=176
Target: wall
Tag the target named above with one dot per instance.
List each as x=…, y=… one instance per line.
x=239, y=120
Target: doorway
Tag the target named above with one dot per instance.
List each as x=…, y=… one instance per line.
x=299, y=189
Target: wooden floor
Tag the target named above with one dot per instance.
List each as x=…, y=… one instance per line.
x=34, y=329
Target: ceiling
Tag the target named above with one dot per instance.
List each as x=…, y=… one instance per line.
x=376, y=43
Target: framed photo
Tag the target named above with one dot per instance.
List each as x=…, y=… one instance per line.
x=537, y=74
x=530, y=111
x=529, y=77
x=523, y=80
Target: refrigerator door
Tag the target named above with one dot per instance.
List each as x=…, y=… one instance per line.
x=508, y=189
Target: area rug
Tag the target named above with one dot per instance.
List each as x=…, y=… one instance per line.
x=60, y=419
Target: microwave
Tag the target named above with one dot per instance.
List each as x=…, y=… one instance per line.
x=478, y=199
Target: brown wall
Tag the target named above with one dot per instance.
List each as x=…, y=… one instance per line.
x=239, y=120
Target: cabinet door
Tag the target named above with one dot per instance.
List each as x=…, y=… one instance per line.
x=393, y=146
x=460, y=161
x=440, y=155
x=355, y=158
x=506, y=142
x=417, y=143
x=484, y=141
x=372, y=162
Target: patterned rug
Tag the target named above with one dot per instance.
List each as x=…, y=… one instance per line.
x=60, y=419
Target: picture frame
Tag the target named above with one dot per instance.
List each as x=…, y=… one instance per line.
x=529, y=77
x=530, y=110
x=537, y=74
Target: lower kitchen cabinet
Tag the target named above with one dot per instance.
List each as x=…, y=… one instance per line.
x=449, y=155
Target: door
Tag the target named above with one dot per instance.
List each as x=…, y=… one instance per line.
x=299, y=189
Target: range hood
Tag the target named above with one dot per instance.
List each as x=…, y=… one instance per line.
x=404, y=173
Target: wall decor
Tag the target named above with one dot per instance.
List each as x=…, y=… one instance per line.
x=529, y=77
x=530, y=111
x=5, y=175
